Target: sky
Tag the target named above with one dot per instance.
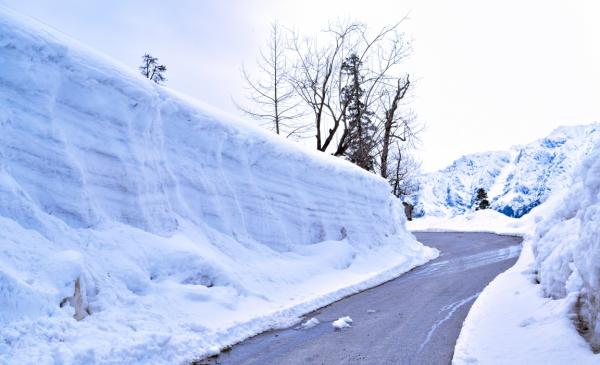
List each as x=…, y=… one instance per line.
x=489, y=74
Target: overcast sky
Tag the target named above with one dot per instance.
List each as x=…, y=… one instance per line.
x=490, y=73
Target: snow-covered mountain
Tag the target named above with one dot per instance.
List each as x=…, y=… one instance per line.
x=141, y=227
x=516, y=180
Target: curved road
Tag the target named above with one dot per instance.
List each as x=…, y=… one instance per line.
x=414, y=319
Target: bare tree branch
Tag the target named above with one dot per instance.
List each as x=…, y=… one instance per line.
x=271, y=96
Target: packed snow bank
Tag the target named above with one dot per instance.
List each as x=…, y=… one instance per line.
x=511, y=323
x=533, y=312
x=169, y=230
x=567, y=250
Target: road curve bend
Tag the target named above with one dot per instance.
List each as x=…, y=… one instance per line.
x=413, y=319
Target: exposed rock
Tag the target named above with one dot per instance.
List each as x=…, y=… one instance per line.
x=78, y=302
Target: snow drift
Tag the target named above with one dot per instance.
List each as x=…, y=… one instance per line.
x=486, y=220
x=168, y=230
x=516, y=180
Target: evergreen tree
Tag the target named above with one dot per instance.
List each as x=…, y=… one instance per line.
x=152, y=70
x=361, y=129
x=481, y=200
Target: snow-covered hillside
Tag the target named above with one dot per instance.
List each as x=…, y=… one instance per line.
x=516, y=180
x=167, y=229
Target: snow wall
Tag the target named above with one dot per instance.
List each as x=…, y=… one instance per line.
x=137, y=226
x=567, y=249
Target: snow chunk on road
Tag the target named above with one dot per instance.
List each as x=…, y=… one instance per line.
x=343, y=322
x=310, y=323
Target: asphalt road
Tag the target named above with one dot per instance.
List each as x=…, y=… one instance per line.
x=414, y=319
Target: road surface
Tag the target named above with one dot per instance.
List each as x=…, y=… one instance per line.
x=414, y=319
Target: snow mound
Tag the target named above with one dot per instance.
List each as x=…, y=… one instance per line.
x=140, y=227
x=516, y=180
x=343, y=322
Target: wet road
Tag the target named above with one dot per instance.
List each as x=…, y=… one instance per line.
x=414, y=319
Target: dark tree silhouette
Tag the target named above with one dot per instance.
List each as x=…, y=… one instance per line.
x=152, y=70
x=360, y=143
x=481, y=200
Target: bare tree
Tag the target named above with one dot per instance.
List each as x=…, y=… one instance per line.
x=351, y=83
x=399, y=131
x=316, y=80
x=403, y=172
x=270, y=96
x=152, y=70
x=320, y=80
x=393, y=126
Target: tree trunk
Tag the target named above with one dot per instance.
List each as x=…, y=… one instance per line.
x=401, y=90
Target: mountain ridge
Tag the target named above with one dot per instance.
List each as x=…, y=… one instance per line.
x=516, y=180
